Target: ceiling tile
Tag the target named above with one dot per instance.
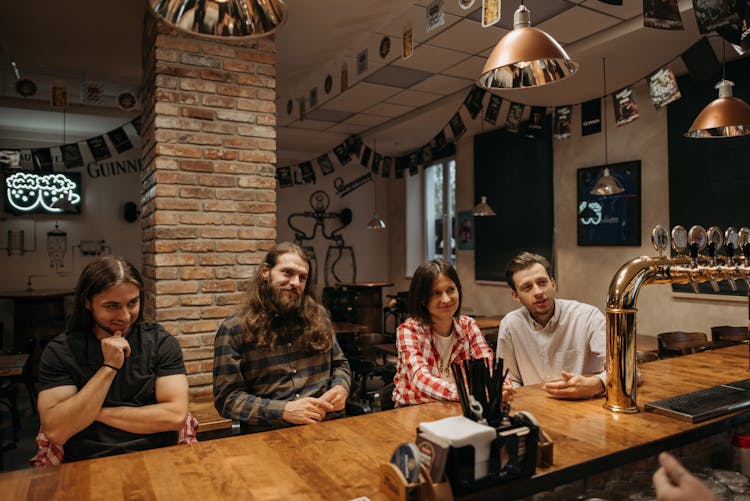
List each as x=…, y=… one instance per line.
x=366, y=119
x=413, y=98
x=470, y=68
x=326, y=115
x=468, y=36
x=397, y=76
x=310, y=125
x=347, y=128
x=628, y=9
x=432, y=59
x=360, y=96
x=389, y=110
x=443, y=84
x=418, y=20
x=575, y=24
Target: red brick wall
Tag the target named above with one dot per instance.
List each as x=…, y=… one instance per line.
x=208, y=205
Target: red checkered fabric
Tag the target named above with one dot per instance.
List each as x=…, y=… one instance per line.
x=50, y=454
x=417, y=377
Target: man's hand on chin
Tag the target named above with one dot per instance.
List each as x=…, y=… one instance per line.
x=574, y=386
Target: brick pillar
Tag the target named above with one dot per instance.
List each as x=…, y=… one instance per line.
x=208, y=204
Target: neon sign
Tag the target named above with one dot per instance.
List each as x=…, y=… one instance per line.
x=53, y=193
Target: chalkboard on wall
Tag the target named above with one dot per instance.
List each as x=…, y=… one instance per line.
x=514, y=171
x=709, y=179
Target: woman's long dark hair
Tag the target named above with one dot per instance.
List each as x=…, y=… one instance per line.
x=98, y=276
x=260, y=316
x=421, y=288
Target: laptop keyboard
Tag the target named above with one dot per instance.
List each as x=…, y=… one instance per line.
x=705, y=404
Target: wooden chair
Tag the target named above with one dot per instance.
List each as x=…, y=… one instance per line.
x=677, y=343
x=643, y=357
x=726, y=335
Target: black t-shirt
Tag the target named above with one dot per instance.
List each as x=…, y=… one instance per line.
x=73, y=359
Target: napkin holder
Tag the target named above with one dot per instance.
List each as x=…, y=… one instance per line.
x=394, y=486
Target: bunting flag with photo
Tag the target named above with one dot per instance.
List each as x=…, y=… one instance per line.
x=120, y=140
x=439, y=141
x=662, y=87
x=425, y=155
x=313, y=97
x=490, y=12
x=407, y=46
x=662, y=14
x=435, y=15
x=344, y=77
x=362, y=61
x=98, y=148
x=136, y=123
x=365, y=159
x=625, y=106
x=536, y=121
x=591, y=117
x=324, y=162
x=738, y=34
x=457, y=126
x=301, y=108
x=413, y=162
x=42, y=160
x=402, y=163
x=385, y=171
x=561, y=127
x=612, y=2
x=71, y=155
x=307, y=173
x=513, y=120
x=284, y=177
x=493, y=109
x=376, y=159
x=342, y=154
x=715, y=14
x=354, y=144
x=473, y=101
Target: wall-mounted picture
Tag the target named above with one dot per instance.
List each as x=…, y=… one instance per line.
x=465, y=230
x=609, y=204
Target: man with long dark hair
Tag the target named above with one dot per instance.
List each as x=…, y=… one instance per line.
x=276, y=361
x=111, y=383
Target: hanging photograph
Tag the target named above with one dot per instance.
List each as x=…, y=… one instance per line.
x=490, y=12
x=513, y=120
x=535, y=124
x=59, y=96
x=457, y=126
x=465, y=230
x=325, y=164
x=408, y=43
x=344, y=77
x=473, y=101
x=354, y=144
x=493, y=109
x=662, y=87
x=98, y=148
x=439, y=141
x=561, y=128
x=714, y=14
x=301, y=109
x=42, y=160
x=136, y=123
x=362, y=62
x=609, y=204
x=413, y=163
x=365, y=159
x=328, y=84
x=313, y=97
x=662, y=14
x=71, y=155
x=466, y=4
x=385, y=46
x=120, y=140
x=342, y=154
x=307, y=173
x=591, y=117
x=284, y=176
x=626, y=109
x=385, y=170
x=435, y=15
x=425, y=155
x=376, y=159
x=401, y=164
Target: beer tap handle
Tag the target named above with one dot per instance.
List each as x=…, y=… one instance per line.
x=731, y=239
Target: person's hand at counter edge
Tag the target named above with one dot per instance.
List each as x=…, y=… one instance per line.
x=573, y=386
x=674, y=483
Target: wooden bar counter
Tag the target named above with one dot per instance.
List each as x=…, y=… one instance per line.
x=339, y=459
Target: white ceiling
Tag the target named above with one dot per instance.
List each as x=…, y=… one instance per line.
x=82, y=40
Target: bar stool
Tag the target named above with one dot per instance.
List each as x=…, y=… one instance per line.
x=726, y=335
x=677, y=343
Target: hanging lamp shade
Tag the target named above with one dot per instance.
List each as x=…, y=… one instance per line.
x=525, y=57
x=607, y=185
x=483, y=208
x=222, y=18
x=725, y=116
x=375, y=223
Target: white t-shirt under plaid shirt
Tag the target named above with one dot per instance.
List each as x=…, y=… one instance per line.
x=417, y=377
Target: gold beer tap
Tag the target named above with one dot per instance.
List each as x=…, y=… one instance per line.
x=623, y=293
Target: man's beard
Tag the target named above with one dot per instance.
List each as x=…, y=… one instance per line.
x=284, y=302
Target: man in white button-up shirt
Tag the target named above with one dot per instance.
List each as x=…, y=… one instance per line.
x=557, y=342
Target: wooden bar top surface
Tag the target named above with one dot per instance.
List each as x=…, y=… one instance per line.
x=12, y=365
x=339, y=459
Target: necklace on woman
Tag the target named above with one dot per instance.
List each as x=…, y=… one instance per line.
x=444, y=345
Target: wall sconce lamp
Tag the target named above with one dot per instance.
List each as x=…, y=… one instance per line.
x=222, y=18
x=525, y=57
x=483, y=208
x=726, y=116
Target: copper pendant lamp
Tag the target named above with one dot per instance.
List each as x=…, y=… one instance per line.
x=726, y=116
x=482, y=208
x=525, y=57
x=228, y=19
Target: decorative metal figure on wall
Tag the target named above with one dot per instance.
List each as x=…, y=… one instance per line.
x=340, y=263
x=57, y=246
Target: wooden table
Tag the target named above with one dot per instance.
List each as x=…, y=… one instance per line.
x=339, y=459
x=12, y=365
x=348, y=328
x=37, y=314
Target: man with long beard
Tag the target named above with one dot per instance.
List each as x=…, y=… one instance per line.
x=276, y=361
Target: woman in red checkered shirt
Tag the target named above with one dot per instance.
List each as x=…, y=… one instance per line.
x=434, y=336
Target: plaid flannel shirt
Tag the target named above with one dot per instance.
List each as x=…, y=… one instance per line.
x=417, y=377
